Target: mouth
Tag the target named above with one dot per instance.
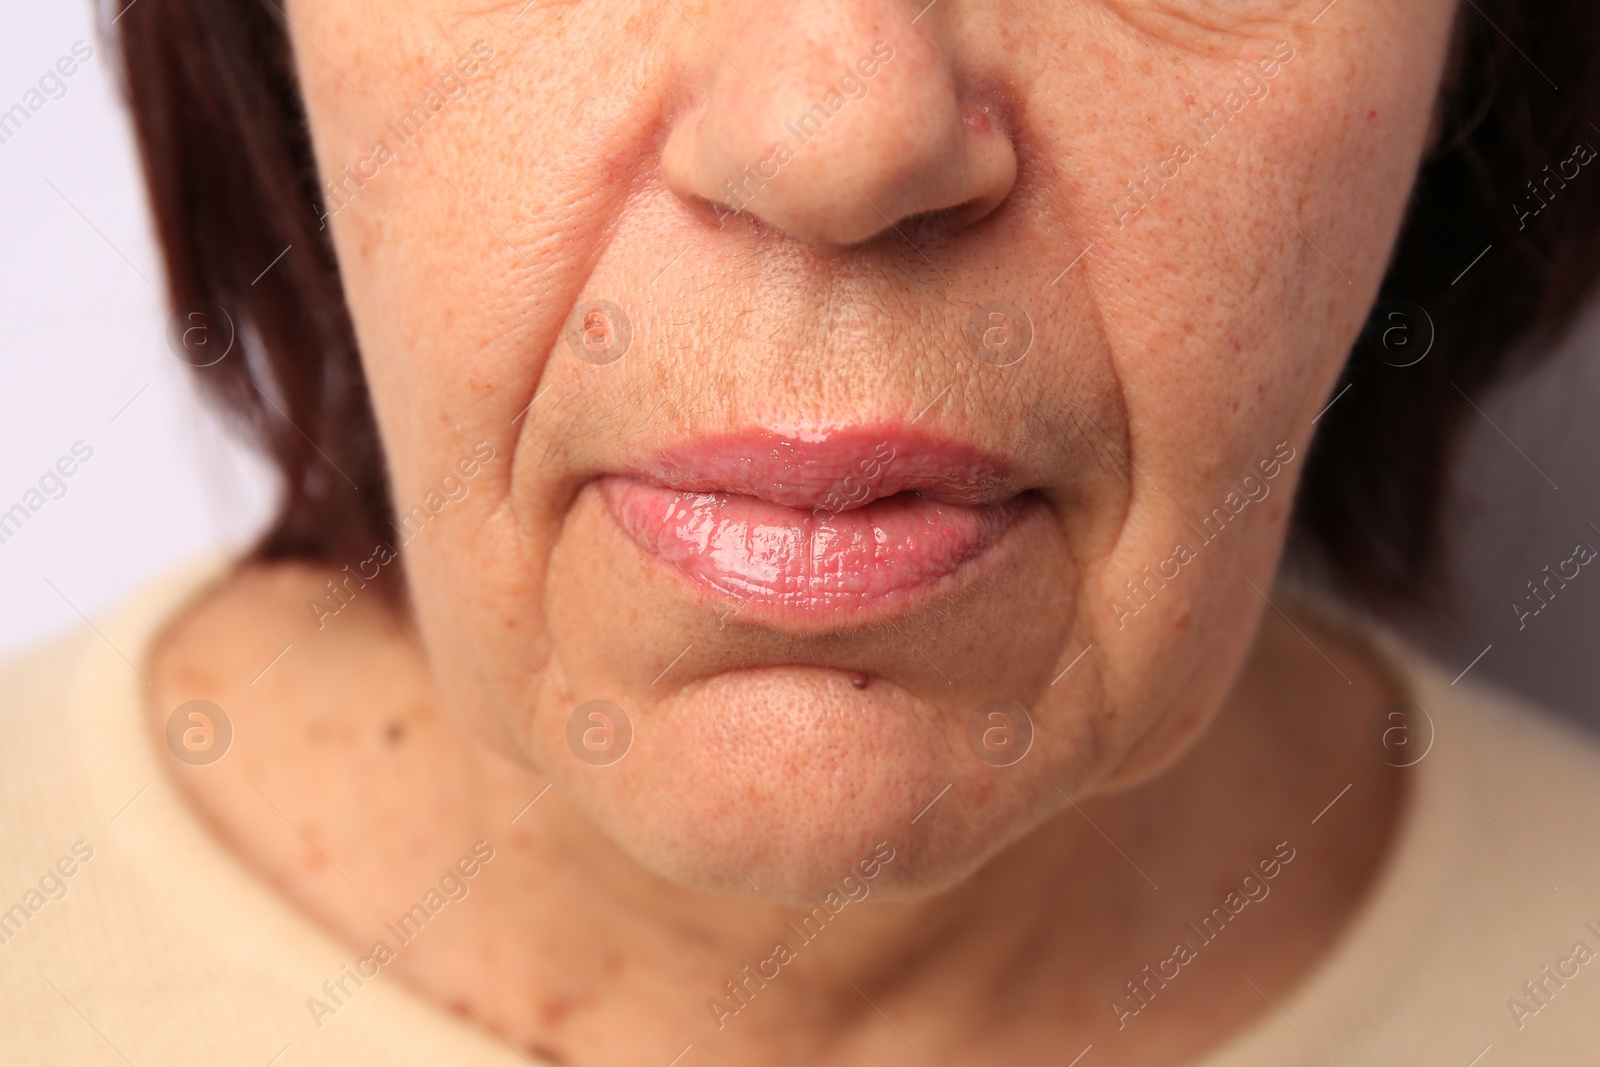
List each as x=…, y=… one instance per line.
x=818, y=523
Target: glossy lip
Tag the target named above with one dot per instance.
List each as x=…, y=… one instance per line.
x=811, y=523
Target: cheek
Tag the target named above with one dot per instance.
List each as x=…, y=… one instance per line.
x=1231, y=297
x=1230, y=304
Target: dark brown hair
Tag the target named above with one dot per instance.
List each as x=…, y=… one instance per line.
x=232, y=183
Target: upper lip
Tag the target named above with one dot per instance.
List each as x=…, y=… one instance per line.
x=835, y=469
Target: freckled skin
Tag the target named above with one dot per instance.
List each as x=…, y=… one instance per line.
x=589, y=158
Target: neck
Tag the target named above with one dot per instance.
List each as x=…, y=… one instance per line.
x=1127, y=922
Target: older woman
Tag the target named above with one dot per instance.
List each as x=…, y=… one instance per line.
x=776, y=561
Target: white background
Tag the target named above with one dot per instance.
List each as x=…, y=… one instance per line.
x=82, y=333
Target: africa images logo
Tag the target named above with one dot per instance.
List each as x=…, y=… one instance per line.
x=452, y=887
x=852, y=888
x=850, y=86
x=1250, y=490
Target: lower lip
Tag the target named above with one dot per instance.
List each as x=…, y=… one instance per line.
x=796, y=562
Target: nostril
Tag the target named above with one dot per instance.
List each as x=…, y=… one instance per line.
x=928, y=225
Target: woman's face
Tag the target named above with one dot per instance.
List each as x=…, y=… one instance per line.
x=863, y=384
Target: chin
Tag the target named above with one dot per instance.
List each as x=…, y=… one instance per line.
x=779, y=782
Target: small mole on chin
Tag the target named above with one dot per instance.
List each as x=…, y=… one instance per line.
x=859, y=679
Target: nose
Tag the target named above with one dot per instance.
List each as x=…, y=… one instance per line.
x=832, y=120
